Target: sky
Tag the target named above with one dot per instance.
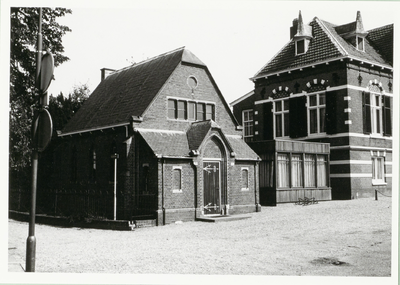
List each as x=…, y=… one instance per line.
x=234, y=39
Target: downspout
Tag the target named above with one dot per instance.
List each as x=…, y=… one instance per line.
x=162, y=191
x=258, y=206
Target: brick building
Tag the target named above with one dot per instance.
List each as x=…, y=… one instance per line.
x=155, y=139
x=320, y=114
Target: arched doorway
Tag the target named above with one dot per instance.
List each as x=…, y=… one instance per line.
x=214, y=177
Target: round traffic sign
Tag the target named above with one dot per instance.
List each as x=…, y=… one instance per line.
x=42, y=130
x=46, y=71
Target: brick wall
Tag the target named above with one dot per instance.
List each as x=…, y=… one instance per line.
x=156, y=115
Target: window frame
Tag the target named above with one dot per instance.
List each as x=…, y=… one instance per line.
x=242, y=170
x=285, y=120
x=378, y=168
x=175, y=190
x=248, y=137
x=289, y=164
x=304, y=46
x=318, y=107
x=376, y=120
x=362, y=42
x=187, y=103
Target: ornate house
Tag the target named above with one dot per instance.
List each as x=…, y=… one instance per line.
x=320, y=114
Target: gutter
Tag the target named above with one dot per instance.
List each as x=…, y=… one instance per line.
x=341, y=58
x=93, y=129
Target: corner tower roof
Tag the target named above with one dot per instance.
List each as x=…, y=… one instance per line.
x=329, y=44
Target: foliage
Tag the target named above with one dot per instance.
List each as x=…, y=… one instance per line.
x=24, y=30
x=63, y=108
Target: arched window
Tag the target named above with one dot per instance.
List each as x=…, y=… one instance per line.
x=376, y=110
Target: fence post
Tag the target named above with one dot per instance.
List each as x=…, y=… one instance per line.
x=376, y=195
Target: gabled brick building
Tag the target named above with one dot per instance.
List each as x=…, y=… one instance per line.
x=156, y=139
x=320, y=114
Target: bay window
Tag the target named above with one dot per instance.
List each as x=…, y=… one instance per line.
x=302, y=170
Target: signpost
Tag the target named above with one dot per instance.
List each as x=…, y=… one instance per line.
x=115, y=156
x=42, y=129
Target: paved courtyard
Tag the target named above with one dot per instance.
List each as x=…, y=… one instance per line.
x=336, y=238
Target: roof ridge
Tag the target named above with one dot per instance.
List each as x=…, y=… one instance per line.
x=333, y=39
x=148, y=60
x=378, y=28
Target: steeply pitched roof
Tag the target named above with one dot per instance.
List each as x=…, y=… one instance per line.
x=382, y=40
x=128, y=92
x=325, y=45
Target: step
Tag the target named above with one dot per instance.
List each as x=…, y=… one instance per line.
x=225, y=218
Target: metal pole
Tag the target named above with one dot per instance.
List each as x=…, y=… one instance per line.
x=31, y=240
x=115, y=186
x=39, y=49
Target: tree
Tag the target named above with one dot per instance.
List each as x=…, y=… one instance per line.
x=63, y=108
x=24, y=30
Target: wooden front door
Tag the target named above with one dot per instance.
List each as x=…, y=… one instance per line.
x=212, y=194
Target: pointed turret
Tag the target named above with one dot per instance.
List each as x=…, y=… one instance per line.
x=303, y=31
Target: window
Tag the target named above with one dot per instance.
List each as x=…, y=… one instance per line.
x=209, y=112
x=304, y=170
x=378, y=168
x=309, y=170
x=192, y=111
x=297, y=170
x=376, y=114
x=182, y=110
x=248, y=125
x=245, y=179
x=360, y=43
x=322, y=170
x=189, y=110
x=266, y=170
x=177, y=179
x=283, y=170
x=316, y=113
x=172, y=109
x=281, y=113
x=300, y=47
x=200, y=112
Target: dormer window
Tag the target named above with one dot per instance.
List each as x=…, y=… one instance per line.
x=301, y=46
x=360, y=43
x=303, y=35
x=354, y=32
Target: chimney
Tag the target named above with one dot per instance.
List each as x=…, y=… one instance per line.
x=105, y=72
x=293, y=28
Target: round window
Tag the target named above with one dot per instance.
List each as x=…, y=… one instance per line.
x=192, y=82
